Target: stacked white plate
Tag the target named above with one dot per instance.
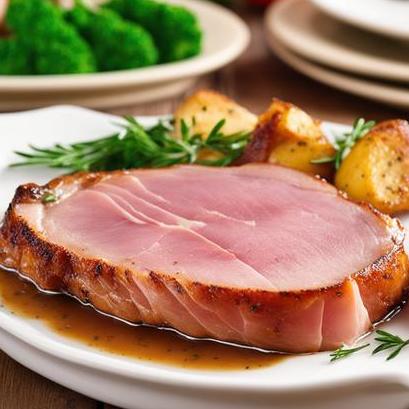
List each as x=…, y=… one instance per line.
x=357, y=46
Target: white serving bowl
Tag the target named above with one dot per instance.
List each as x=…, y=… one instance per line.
x=225, y=37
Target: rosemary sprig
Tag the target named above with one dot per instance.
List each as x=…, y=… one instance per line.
x=389, y=341
x=386, y=341
x=136, y=146
x=345, y=142
x=343, y=352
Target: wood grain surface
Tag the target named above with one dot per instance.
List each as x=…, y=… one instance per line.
x=22, y=389
x=253, y=80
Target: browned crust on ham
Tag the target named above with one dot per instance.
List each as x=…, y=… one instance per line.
x=382, y=284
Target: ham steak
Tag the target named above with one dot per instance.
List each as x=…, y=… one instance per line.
x=258, y=255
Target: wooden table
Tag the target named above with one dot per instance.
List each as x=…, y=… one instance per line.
x=253, y=80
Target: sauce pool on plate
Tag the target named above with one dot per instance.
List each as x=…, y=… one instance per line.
x=69, y=318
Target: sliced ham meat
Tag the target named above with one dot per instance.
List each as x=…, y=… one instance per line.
x=258, y=255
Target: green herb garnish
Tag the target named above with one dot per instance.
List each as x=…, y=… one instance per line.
x=48, y=197
x=344, y=352
x=345, y=142
x=138, y=147
x=389, y=341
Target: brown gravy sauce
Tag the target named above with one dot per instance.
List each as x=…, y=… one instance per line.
x=69, y=318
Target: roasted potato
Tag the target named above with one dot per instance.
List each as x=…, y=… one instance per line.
x=287, y=136
x=377, y=168
x=204, y=109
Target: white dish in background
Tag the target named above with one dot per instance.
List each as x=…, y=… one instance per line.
x=305, y=30
x=394, y=95
x=387, y=17
x=225, y=37
x=303, y=382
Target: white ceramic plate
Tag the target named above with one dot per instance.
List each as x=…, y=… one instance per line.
x=308, y=381
x=225, y=38
x=388, y=17
x=394, y=95
x=305, y=30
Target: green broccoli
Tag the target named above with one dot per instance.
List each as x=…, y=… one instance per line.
x=143, y=12
x=51, y=44
x=13, y=58
x=178, y=33
x=175, y=30
x=117, y=44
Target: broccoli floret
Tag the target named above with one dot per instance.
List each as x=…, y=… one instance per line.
x=53, y=46
x=175, y=30
x=178, y=33
x=143, y=12
x=117, y=44
x=13, y=58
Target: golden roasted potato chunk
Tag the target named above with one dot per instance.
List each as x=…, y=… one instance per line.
x=205, y=108
x=377, y=168
x=287, y=136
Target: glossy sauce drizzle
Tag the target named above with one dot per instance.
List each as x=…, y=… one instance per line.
x=69, y=318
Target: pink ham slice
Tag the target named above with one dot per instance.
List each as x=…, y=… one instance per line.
x=257, y=255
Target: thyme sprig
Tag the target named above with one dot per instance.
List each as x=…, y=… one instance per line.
x=343, y=352
x=345, y=142
x=136, y=146
x=389, y=341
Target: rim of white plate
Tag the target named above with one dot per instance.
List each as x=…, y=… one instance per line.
x=393, y=95
x=370, y=15
x=323, y=46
